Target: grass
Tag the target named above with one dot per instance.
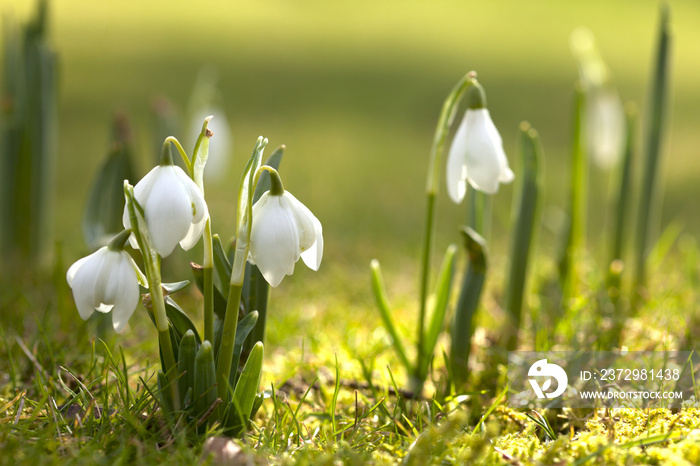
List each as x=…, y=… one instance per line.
x=333, y=394
x=354, y=93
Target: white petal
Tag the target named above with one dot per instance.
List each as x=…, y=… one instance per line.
x=82, y=278
x=483, y=164
x=104, y=308
x=73, y=269
x=168, y=211
x=304, y=218
x=199, y=206
x=312, y=256
x=141, y=191
x=128, y=293
x=193, y=234
x=274, y=241
x=456, y=164
x=506, y=175
x=310, y=233
x=200, y=214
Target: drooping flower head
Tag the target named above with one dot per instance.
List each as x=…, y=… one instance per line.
x=605, y=114
x=476, y=155
x=283, y=230
x=107, y=280
x=173, y=205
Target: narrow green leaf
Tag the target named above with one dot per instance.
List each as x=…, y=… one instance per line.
x=245, y=193
x=255, y=295
x=200, y=154
x=468, y=304
x=525, y=220
x=245, y=325
x=179, y=320
x=166, y=400
x=219, y=299
x=246, y=389
x=204, y=379
x=575, y=231
x=102, y=218
x=174, y=287
x=186, y=362
x=222, y=265
x=624, y=187
x=442, y=297
x=385, y=313
x=656, y=119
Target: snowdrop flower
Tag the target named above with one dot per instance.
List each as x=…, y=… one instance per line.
x=107, y=280
x=174, y=207
x=605, y=115
x=476, y=154
x=606, y=126
x=283, y=230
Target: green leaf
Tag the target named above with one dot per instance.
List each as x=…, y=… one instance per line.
x=222, y=266
x=102, y=218
x=255, y=295
x=649, y=201
x=186, y=362
x=201, y=154
x=204, y=379
x=576, y=228
x=166, y=400
x=467, y=305
x=179, y=320
x=385, y=313
x=174, y=287
x=245, y=325
x=246, y=390
x=245, y=192
x=442, y=297
x=525, y=220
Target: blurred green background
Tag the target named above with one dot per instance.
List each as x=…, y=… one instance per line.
x=354, y=90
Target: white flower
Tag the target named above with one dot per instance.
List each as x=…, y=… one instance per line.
x=106, y=280
x=605, y=126
x=284, y=229
x=477, y=156
x=174, y=208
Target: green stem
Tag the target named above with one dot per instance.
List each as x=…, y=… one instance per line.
x=151, y=262
x=208, y=270
x=447, y=114
x=228, y=339
x=479, y=212
x=181, y=150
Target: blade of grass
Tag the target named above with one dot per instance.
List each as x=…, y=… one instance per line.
x=442, y=295
x=385, y=313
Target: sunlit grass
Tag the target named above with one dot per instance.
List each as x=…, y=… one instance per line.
x=353, y=91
